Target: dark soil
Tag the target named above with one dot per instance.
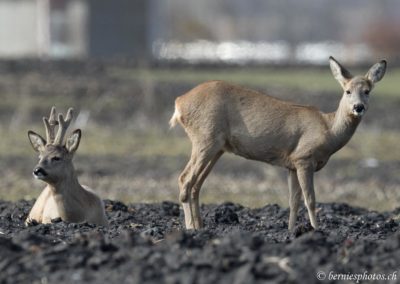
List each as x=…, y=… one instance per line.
x=146, y=243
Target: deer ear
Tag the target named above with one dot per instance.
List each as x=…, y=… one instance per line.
x=73, y=140
x=339, y=72
x=38, y=143
x=377, y=71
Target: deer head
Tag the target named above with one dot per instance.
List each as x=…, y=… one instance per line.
x=55, y=156
x=357, y=88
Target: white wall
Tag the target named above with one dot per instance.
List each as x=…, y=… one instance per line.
x=26, y=31
x=18, y=29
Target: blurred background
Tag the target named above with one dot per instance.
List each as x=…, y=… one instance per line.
x=122, y=63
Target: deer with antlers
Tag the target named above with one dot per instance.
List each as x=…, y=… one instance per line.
x=220, y=117
x=63, y=196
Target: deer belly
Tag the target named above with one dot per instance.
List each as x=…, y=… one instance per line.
x=253, y=150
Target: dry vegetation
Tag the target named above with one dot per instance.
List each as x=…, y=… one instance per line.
x=131, y=155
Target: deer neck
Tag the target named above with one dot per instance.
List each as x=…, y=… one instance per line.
x=343, y=124
x=69, y=196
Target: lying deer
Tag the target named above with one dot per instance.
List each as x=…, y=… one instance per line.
x=63, y=196
x=220, y=117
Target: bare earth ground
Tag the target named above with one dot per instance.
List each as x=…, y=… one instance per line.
x=128, y=153
x=146, y=243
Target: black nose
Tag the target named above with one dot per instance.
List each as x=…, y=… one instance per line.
x=359, y=108
x=39, y=172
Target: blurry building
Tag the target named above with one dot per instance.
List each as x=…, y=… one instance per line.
x=73, y=28
x=223, y=31
x=118, y=28
x=42, y=28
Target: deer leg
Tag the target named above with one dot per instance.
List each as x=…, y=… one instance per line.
x=196, y=189
x=199, y=160
x=183, y=191
x=306, y=180
x=184, y=196
x=189, y=217
x=294, y=198
x=37, y=211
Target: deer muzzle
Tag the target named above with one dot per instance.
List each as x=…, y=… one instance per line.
x=358, y=109
x=39, y=173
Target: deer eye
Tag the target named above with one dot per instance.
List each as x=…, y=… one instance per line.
x=366, y=92
x=348, y=92
x=55, y=159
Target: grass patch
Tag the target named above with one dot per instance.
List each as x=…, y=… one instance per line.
x=128, y=153
x=97, y=141
x=304, y=80
x=101, y=141
x=381, y=145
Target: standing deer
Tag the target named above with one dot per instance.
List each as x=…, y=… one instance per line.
x=63, y=196
x=220, y=117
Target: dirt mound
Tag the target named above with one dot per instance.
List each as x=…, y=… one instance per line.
x=146, y=243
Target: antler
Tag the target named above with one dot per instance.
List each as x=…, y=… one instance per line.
x=63, y=126
x=50, y=125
